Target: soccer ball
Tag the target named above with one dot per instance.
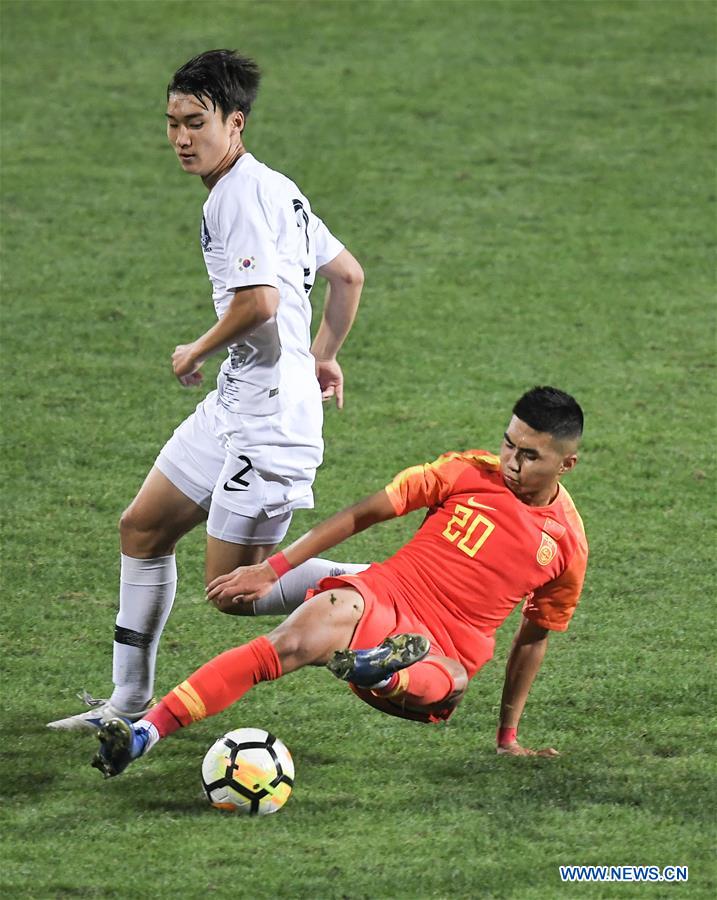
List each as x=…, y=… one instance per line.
x=248, y=771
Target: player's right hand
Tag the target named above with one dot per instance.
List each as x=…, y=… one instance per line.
x=242, y=586
x=331, y=380
x=185, y=365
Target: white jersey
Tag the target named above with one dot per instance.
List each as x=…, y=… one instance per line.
x=258, y=228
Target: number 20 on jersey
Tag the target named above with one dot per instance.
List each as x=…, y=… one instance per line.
x=470, y=528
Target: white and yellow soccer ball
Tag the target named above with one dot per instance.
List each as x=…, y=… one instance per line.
x=248, y=771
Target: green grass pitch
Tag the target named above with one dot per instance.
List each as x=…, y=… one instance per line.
x=530, y=188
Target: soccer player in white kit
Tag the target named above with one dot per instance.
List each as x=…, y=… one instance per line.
x=247, y=456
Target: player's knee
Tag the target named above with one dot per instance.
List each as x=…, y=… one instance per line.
x=456, y=695
x=141, y=539
x=290, y=647
x=126, y=525
x=459, y=677
x=241, y=608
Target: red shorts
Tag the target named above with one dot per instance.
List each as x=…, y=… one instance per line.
x=382, y=617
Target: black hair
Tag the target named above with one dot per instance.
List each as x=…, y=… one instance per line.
x=229, y=80
x=549, y=410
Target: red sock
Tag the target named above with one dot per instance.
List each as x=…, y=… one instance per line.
x=218, y=684
x=422, y=684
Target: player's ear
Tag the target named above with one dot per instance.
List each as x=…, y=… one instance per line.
x=237, y=120
x=569, y=462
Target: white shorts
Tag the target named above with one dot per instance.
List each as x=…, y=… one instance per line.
x=249, y=472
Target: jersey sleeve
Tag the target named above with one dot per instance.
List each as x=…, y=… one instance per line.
x=327, y=247
x=244, y=221
x=552, y=605
x=425, y=485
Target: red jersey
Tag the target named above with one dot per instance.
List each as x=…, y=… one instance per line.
x=480, y=551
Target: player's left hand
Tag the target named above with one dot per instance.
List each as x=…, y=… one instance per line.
x=331, y=380
x=241, y=587
x=186, y=365
x=515, y=749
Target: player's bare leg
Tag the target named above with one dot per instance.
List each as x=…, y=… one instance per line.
x=223, y=557
x=317, y=629
x=157, y=518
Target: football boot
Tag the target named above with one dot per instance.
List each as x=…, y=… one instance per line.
x=366, y=668
x=100, y=711
x=121, y=742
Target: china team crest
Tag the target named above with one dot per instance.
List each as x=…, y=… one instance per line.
x=547, y=550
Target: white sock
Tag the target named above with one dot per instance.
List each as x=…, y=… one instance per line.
x=289, y=592
x=147, y=589
x=152, y=734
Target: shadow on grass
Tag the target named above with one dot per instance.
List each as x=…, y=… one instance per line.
x=649, y=783
x=674, y=785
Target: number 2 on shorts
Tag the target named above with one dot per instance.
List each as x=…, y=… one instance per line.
x=238, y=482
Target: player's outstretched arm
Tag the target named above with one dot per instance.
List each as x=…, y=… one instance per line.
x=343, y=292
x=526, y=657
x=249, y=308
x=249, y=583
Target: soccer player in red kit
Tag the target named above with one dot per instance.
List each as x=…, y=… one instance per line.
x=408, y=634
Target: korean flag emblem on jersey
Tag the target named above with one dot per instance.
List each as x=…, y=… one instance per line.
x=246, y=263
x=205, y=237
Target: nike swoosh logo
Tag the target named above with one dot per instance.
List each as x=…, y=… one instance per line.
x=473, y=502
